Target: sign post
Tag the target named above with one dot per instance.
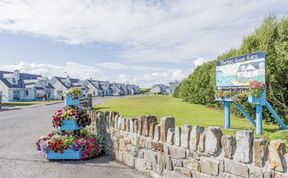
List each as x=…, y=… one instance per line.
x=227, y=108
x=240, y=74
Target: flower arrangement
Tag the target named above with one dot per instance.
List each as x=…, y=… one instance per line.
x=73, y=92
x=222, y=94
x=58, y=143
x=256, y=88
x=71, y=113
x=240, y=97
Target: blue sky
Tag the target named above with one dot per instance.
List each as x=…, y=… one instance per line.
x=142, y=42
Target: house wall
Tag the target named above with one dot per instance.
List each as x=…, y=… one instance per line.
x=4, y=89
x=58, y=87
x=92, y=90
x=163, y=150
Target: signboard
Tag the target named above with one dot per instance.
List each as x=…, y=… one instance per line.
x=237, y=72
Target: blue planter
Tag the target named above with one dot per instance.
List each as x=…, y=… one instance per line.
x=223, y=99
x=259, y=101
x=70, y=101
x=68, y=154
x=69, y=125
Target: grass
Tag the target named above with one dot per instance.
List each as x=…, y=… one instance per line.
x=184, y=113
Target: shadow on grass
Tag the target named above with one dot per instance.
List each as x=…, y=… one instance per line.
x=100, y=108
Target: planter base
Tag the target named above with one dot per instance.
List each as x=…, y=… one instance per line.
x=69, y=125
x=68, y=154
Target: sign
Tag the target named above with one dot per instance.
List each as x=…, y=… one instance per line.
x=239, y=71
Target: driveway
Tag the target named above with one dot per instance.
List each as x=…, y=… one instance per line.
x=20, y=129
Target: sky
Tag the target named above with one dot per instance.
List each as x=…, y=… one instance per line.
x=141, y=42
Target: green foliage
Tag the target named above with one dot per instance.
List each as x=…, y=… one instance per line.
x=271, y=37
x=281, y=135
x=198, y=86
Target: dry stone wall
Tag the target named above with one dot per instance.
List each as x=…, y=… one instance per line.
x=161, y=150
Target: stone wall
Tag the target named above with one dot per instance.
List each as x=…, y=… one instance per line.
x=163, y=150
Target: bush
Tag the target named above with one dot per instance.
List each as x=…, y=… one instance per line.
x=271, y=37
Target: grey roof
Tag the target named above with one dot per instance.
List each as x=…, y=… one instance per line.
x=256, y=65
x=23, y=76
x=62, y=78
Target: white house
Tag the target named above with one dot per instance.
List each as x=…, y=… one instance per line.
x=251, y=70
x=105, y=88
x=173, y=86
x=17, y=86
x=160, y=89
x=115, y=89
x=62, y=84
x=94, y=87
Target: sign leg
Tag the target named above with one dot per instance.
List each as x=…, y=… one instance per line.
x=227, y=114
x=259, y=126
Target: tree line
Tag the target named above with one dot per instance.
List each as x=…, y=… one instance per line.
x=272, y=38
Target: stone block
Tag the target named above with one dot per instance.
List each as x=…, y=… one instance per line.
x=201, y=145
x=228, y=143
x=173, y=174
x=276, y=155
x=185, y=135
x=209, y=166
x=255, y=172
x=213, y=140
x=202, y=175
x=170, y=136
x=165, y=124
x=226, y=175
x=191, y=164
x=123, y=124
x=183, y=171
x=177, y=136
x=144, y=123
x=281, y=175
x=152, y=129
x=177, y=152
x=132, y=150
x=244, y=140
x=113, y=115
x=177, y=162
x=236, y=168
x=127, y=123
x=129, y=160
x=168, y=163
x=158, y=146
x=150, y=156
x=140, y=164
x=157, y=132
x=259, y=152
x=122, y=145
x=194, y=137
x=136, y=126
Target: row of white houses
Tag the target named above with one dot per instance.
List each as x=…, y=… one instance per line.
x=16, y=86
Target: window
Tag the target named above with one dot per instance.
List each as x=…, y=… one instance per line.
x=26, y=92
x=16, y=95
x=13, y=80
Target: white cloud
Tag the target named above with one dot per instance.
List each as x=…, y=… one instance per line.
x=148, y=77
x=200, y=61
x=69, y=69
x=168, y=30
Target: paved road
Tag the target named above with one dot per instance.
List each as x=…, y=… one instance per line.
x=20, y=129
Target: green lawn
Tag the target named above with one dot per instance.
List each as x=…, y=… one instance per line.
x=184, y=113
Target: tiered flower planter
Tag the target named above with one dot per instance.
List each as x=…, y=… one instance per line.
x=70, y=141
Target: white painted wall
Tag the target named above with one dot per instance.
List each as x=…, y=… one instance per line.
x=4, y=90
